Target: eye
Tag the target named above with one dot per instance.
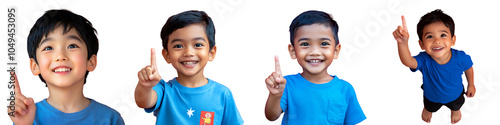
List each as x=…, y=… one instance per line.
x=429, y=36
x=177, y=46
x=198, y=45
x=443, y=35
x=325, y=44
x=304, y=44
x=72, y=46
x=47, y=48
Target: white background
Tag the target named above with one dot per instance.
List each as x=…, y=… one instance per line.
x=250, y=33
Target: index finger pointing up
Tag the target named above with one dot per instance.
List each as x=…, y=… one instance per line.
x=277, y=65
x=17, y=89
x=153, y=58
x=404, y=23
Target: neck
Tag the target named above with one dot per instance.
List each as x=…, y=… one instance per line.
x=67, y=99
x=319, y=78
x=193, y=81
x=444, y=59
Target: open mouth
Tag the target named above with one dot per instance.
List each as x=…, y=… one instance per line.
x=62, y=69
x=437, y=48
x=315, y=61
x=189, y=63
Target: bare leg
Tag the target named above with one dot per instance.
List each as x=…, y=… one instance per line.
x=426, y=116
x=455, y=116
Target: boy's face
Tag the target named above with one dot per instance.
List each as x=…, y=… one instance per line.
x=314, y=48
x=437, y=40
x=62, y=58
x=189, y=50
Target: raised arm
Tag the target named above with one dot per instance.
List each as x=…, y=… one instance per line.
x=23, y=113
x=275, y=84
x=145, y=96
x=401, y=35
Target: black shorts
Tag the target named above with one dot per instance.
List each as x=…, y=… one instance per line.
x=453, y=105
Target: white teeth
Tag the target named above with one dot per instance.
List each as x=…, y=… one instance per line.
x=314, y=61
x=62, y=70
x=437, y=48
x=188, y=63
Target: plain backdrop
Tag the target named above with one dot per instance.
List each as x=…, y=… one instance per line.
x=250, y=33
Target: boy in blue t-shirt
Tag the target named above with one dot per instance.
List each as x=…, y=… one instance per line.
x=62, y=47
x=188, y=44
x=312, y=97
x=441, y=66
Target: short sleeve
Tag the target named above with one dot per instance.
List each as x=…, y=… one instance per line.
x=231, y=114
x=354, y=113
x=420, y=61
x=159, y=89
x=466, y=61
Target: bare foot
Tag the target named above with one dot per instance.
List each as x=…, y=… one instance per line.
x=426, y=116
x=455, y=116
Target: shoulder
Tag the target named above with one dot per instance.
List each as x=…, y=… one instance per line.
x=342, y=83
x=104, y=109
x=216, y=86
x=459, y=53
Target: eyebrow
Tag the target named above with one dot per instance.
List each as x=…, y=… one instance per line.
x=69, y=37
x=440, y=30
x=307, y=39
x=194, y=39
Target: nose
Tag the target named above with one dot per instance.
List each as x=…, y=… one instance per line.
x=188, y=52
x=437, y=41
x=61, y=56
x=315, y=51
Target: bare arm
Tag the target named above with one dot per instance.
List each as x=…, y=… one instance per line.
x=401, y=35
x=471, y=89
x=145, y=96
x=276, y=85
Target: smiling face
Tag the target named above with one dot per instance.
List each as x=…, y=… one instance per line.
x=437, y=41
x=189, y=50
x=314, y=48
x=62, y=58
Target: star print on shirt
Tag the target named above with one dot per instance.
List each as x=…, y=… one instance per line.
x=190, y=112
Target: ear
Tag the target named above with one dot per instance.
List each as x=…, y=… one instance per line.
x=291, y=50
x=165, y=55
x=421, y=43
x=211, y=54
x=92, y=63
x=34, y=67
x=336, y=51
x=453, y=39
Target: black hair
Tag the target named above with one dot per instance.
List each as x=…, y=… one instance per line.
x=52, y=19
x=184, y=19
x=432, y=17
x=314, y=17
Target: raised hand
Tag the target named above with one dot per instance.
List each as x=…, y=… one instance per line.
x=149, y=76
x=401, y=33
x=275, y=82
x=25, y=108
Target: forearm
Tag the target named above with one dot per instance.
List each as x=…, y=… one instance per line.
x=469, y=74
x=144, y=96
x=273, y=108
x=405, y=56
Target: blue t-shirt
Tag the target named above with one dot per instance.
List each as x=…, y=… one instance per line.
x=443, y=83
x=94, y=114
x=307, y=103
x=212, y=103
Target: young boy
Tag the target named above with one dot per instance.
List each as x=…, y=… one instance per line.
x=312, y=97
x=188, y=44
x=441, y=65
x=62, y=47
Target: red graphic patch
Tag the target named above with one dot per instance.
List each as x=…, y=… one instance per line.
x=207, y=118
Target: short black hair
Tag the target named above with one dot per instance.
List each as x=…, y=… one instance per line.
x=432, y=17
x=187, y=18
x=314, y=17
x=52, y=19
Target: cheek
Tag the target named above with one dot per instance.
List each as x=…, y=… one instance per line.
x=80, y=59
x=43, y=61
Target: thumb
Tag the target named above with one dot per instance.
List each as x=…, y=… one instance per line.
x=30, y=103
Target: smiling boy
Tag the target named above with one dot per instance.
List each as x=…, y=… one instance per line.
x=62, y=47
x=312, y=97
x=441, y=66
x=188, y=44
